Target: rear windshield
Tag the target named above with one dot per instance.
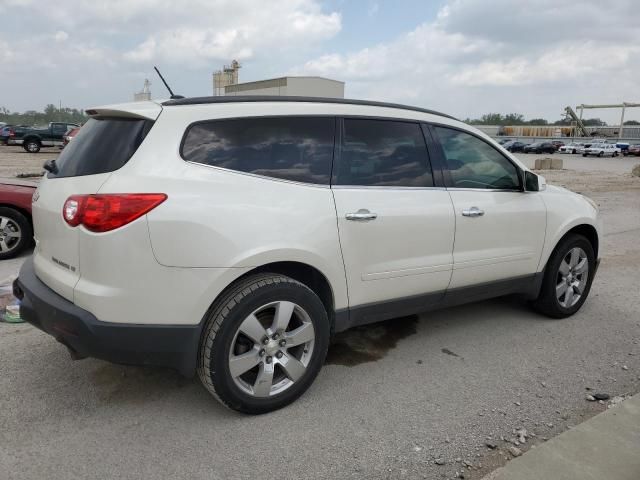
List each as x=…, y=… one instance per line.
x=102, y=145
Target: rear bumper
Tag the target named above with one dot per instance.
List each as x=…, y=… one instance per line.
x=173, y=346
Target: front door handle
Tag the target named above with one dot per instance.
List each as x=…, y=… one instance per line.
x=472, y=212
x=362, y=215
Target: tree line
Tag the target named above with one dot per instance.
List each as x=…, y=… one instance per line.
x=51, y=113
x=518, y=119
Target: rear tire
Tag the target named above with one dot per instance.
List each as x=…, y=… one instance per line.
x=15, y=232
x=263, y=344
x=31, y=146
x=567, y=279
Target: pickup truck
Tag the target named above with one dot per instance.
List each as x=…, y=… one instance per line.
x=34, y=138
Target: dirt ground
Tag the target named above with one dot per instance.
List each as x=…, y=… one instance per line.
x=14, y=160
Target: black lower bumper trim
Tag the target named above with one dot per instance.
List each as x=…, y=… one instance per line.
x=173, y=346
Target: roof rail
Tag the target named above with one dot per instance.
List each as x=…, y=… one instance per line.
x=274, y=98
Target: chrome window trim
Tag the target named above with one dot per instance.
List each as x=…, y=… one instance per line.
x=383, y=187
x=486, y=189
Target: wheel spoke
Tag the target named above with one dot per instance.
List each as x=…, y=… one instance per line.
x=3, y=222
x=579, y=287
x=292, y=367
x=13, y=235
x=581, y=267
x=303, y=334
x=568, y=297
x=561, y=288
x=253, y=329
x=574, y=257
x=240, y=364
x=284, y=311
x=264, y=381
x=564, y=268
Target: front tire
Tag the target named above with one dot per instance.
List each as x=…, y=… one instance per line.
x=263, y=344
x=568, y=277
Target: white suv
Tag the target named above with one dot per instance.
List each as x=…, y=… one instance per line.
x=233, y=236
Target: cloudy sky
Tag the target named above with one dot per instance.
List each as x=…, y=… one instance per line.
x=464, y=57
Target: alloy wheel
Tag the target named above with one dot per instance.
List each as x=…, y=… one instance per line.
x=572, y=277
x=10, y=234
x=271, y=349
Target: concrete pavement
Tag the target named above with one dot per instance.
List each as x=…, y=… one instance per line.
x=605, y=447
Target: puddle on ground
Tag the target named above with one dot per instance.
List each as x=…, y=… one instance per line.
x=369, y=343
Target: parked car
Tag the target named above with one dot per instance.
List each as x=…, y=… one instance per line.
x=540, y=147
x=557, y=144
x=633, y=150
x=222, y=234
x=34, y=138
x=502, y=141
x=67, y=137
x=515, y=146
x=601, y=150
x=573, y=147
x=623, y=147
x=9, y=131
x=16, y=231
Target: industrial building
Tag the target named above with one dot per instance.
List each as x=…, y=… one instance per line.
x=290, y=86
x=225, y=82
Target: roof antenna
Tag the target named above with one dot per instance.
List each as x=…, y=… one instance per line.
x=173, y=97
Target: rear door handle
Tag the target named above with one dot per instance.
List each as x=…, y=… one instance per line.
x=362, y=215
x=472, y=212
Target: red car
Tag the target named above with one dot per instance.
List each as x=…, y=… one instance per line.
x=16, y=228
x=633, y=150
x=67, y=137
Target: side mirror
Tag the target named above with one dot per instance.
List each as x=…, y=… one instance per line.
x=533, y=182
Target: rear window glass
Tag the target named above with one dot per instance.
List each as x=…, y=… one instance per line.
x=102, y=145
x=290, y=148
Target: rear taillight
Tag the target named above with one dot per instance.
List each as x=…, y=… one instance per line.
x=104, y=212
x=12, y=133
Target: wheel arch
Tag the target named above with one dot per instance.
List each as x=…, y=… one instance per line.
x=303, y=273
x=18, y=209
x=586, y=230
x=32, y=137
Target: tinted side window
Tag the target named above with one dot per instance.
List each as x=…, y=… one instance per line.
x=383, y=153
x=102, y=145
x=291, y=148
x=474, y=163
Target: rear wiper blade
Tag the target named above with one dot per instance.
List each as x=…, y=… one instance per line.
x=50, y=166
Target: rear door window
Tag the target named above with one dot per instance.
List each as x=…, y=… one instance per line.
x=102, y=145
x=289, y=148
x=386, y=153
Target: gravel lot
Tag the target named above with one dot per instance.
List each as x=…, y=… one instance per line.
x=393, y=398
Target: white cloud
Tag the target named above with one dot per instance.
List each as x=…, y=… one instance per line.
x=60, y=36
x=496, y=55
